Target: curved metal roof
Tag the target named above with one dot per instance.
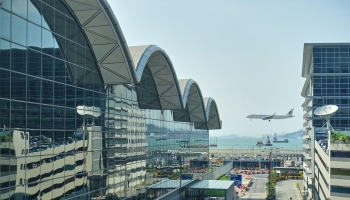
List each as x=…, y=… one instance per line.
x=106, y=39
x=192, y=98
x=158, y=87
x=212, y=114
x=81, y=66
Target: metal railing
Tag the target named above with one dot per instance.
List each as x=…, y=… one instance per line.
x=340, y=159
x=337, y=194
x=340, y=176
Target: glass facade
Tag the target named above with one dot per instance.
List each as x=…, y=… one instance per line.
x=64, y=134
x=331, y=81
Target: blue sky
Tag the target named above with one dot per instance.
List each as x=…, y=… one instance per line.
x=245, y=54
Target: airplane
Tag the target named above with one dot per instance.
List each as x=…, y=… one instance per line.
x=269, y=117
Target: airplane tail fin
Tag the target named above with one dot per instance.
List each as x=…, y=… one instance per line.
x=290, y=112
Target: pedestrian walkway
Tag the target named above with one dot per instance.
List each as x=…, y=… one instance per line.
x=301, y=192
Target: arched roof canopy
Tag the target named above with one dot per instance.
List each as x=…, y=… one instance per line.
x=192, y=98
x=158, y=87
x=212, y=114
x=81, y=66
x=106, y=40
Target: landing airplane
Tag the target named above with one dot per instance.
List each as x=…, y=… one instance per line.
x=269, y=117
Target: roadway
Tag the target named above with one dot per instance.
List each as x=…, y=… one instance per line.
x=286, y=189
x=257, y=190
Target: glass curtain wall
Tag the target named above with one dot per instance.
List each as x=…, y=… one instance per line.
x=65, y=135
x=331, y=83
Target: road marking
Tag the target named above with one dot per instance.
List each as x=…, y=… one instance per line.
x=258, y=184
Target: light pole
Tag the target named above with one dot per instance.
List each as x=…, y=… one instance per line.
x=260, y=157
x=270, y=171
x=232, y=153
x=295, y=147
x=240, y=160
x=252, y=149
x=276, y=155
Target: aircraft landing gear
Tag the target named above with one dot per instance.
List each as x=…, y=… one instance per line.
x=269, y=120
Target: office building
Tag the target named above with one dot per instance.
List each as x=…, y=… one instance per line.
x=326, y=69
x=84, y=116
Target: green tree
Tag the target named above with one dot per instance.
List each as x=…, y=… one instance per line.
x=273, y=175
x=347, y=139
x=271, y=190
x=333, y=137
x=342, y=137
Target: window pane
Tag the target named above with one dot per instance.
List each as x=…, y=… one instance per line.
x=18, y=58
x=5, y=82
x=5, y=113
x=18, y=86
x=47, y=66
x=33, y=12
x=18, y=114
x=19, y=7
x=19, y=30
x=34, y=89
x=5, y=54
x=5, y=23
x=34, y=63
x=34, y=36
x=47, y=90
x=33, y=116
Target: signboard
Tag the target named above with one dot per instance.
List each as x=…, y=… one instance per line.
x=186, y=176
x=237, y=178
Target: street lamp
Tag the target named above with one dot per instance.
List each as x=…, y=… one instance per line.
x=232, y=153
x=295, y=147
x=260, y=157
x=240, y=160
x=252, y=149
x=276, y=155
x=270, y=170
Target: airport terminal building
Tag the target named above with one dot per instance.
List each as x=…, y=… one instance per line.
x=85, y=116
x=326, y=69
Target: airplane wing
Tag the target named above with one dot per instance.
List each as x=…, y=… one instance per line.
x=268, y=117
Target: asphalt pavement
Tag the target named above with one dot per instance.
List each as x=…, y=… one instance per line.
x=257, y=190
x=286, y=189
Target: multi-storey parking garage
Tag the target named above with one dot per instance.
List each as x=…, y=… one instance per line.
x=83, y=115
x=326, y=69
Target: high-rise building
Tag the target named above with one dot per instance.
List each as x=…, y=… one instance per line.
x=84, y=116
x=326, y=68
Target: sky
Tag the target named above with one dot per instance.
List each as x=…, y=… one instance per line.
x=245, y=54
